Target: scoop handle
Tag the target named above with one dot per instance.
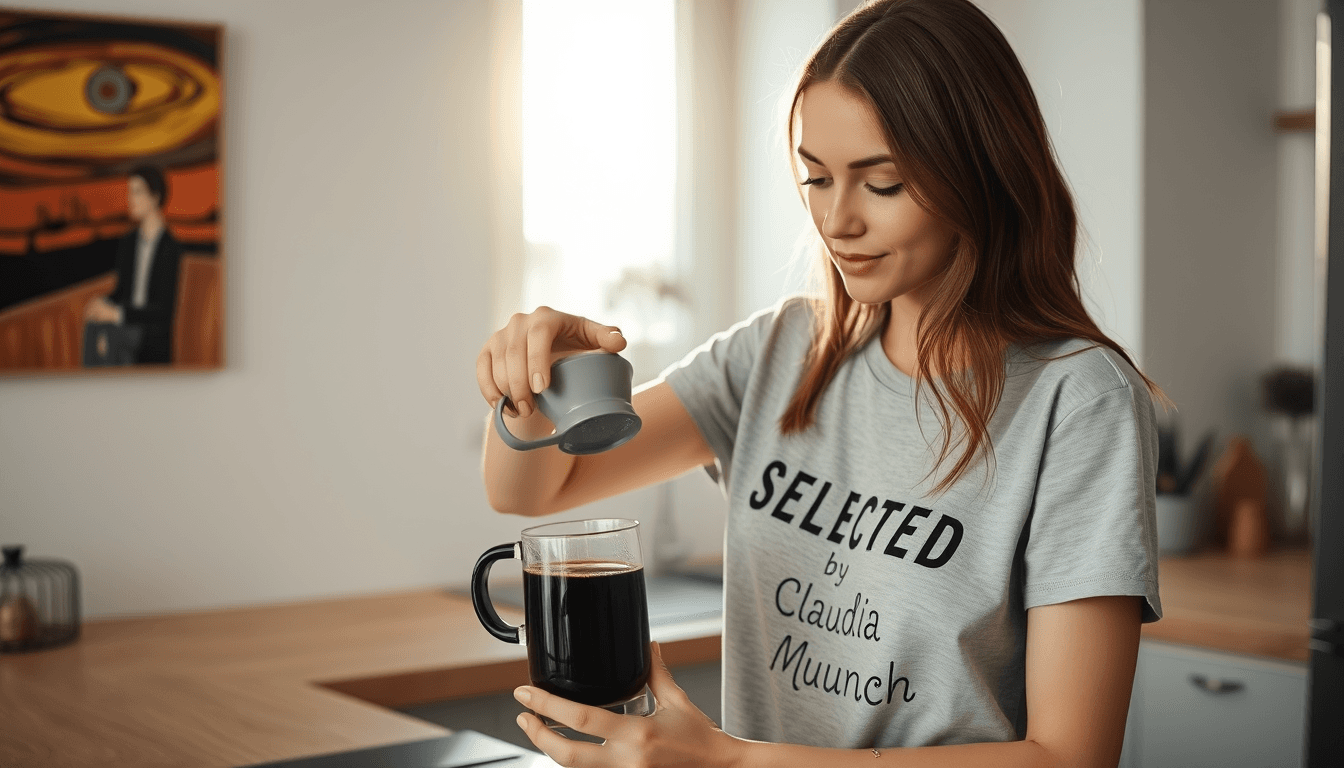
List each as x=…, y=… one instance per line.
x=511, y=440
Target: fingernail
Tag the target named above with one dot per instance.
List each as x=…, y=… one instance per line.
x=522, y=695
x=524, y=409
x=537, y=386
x=618, y=332
x=522, y=722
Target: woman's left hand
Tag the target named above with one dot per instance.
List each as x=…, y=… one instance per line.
x=676, y=734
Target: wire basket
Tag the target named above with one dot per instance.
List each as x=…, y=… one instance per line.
x=39, y=602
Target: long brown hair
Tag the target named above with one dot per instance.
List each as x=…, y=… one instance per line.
x=962, y=123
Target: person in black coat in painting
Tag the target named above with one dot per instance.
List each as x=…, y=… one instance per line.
x=148, y=260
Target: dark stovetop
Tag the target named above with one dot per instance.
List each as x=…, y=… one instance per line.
x=462, y=749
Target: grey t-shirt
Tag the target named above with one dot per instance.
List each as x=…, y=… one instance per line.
x=861, y=611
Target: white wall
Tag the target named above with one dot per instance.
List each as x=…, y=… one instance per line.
x=1084, y=60
x=338, y=452
x=1212, y=207
x=774, y=38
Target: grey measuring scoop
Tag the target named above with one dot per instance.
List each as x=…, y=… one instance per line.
x=588, y=401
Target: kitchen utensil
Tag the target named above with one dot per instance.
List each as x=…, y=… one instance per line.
x=588, y=401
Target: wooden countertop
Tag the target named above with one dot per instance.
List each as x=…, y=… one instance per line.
x=1258, y=606
x=234, y=687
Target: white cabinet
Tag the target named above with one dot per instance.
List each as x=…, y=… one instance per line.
x=1194, y=708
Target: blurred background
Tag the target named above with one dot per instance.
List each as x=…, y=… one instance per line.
x=402, y=176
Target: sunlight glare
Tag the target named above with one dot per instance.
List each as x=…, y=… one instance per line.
x=599, y=148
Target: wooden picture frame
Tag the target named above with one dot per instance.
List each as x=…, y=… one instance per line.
x=104, y=267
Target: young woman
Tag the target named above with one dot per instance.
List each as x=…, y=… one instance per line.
x=941, y=473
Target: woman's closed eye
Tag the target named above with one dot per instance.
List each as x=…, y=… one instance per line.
x=882, y=191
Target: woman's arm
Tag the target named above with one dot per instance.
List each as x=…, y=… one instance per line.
x=545, y=480
x=1080, y=660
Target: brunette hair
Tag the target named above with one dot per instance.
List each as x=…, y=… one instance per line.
x=962, y=123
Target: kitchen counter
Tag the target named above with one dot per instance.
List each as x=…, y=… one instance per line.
x=1256, y=606
x=234, y=687
x=242, y=686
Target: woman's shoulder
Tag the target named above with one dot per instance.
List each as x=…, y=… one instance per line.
x=794, y=311
x=1073, y=371
x=788, y=320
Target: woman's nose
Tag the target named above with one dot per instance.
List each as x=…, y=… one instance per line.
x=841, y=220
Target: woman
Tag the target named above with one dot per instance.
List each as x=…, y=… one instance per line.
x=941, y=475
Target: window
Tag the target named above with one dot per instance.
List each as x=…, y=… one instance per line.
x=599, y=163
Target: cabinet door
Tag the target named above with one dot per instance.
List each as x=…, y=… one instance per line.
x=1219, y=710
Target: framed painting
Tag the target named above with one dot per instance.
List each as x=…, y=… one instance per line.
x=110, y=194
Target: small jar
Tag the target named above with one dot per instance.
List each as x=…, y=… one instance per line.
x=39, y=602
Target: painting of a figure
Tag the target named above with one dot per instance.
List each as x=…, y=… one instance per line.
x=110, y=192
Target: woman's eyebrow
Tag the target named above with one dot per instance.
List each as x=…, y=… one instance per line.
x=864, y=163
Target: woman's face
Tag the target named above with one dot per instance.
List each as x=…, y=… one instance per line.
x=883, y=244
x=139, y=199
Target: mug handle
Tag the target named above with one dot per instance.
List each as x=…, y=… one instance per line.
x=511, y=440
x=480, y=592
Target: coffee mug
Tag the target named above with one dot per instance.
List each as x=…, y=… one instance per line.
x=585, y=612
x=588, y=401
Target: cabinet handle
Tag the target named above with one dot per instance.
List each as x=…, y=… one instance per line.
x=1216, y=686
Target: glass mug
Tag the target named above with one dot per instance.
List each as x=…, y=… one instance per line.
x=585, y=613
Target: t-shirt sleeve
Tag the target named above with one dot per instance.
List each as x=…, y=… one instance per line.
x=711, y=383
x=1093, y=529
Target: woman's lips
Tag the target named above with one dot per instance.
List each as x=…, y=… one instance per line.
x=857, y=264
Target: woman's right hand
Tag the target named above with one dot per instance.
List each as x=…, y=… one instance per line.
x=516, y=360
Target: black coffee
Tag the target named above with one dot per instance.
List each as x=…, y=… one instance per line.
x=587, y=630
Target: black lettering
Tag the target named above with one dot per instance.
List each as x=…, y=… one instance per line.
x=869, y=684
x=807, y=664
x=888, y=507
x=792, y=495
x=891, y=682
x=757, y=502
x=780, y=588
x=790, y=658
x=847, y=624
x=807, y=525
x=944, y=522
x=826, y=684
x=856, y=538
x=803, y=603
x=845, y=515
x=905, y=529
x=833, y=616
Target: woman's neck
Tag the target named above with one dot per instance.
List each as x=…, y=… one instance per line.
x=899, y=338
